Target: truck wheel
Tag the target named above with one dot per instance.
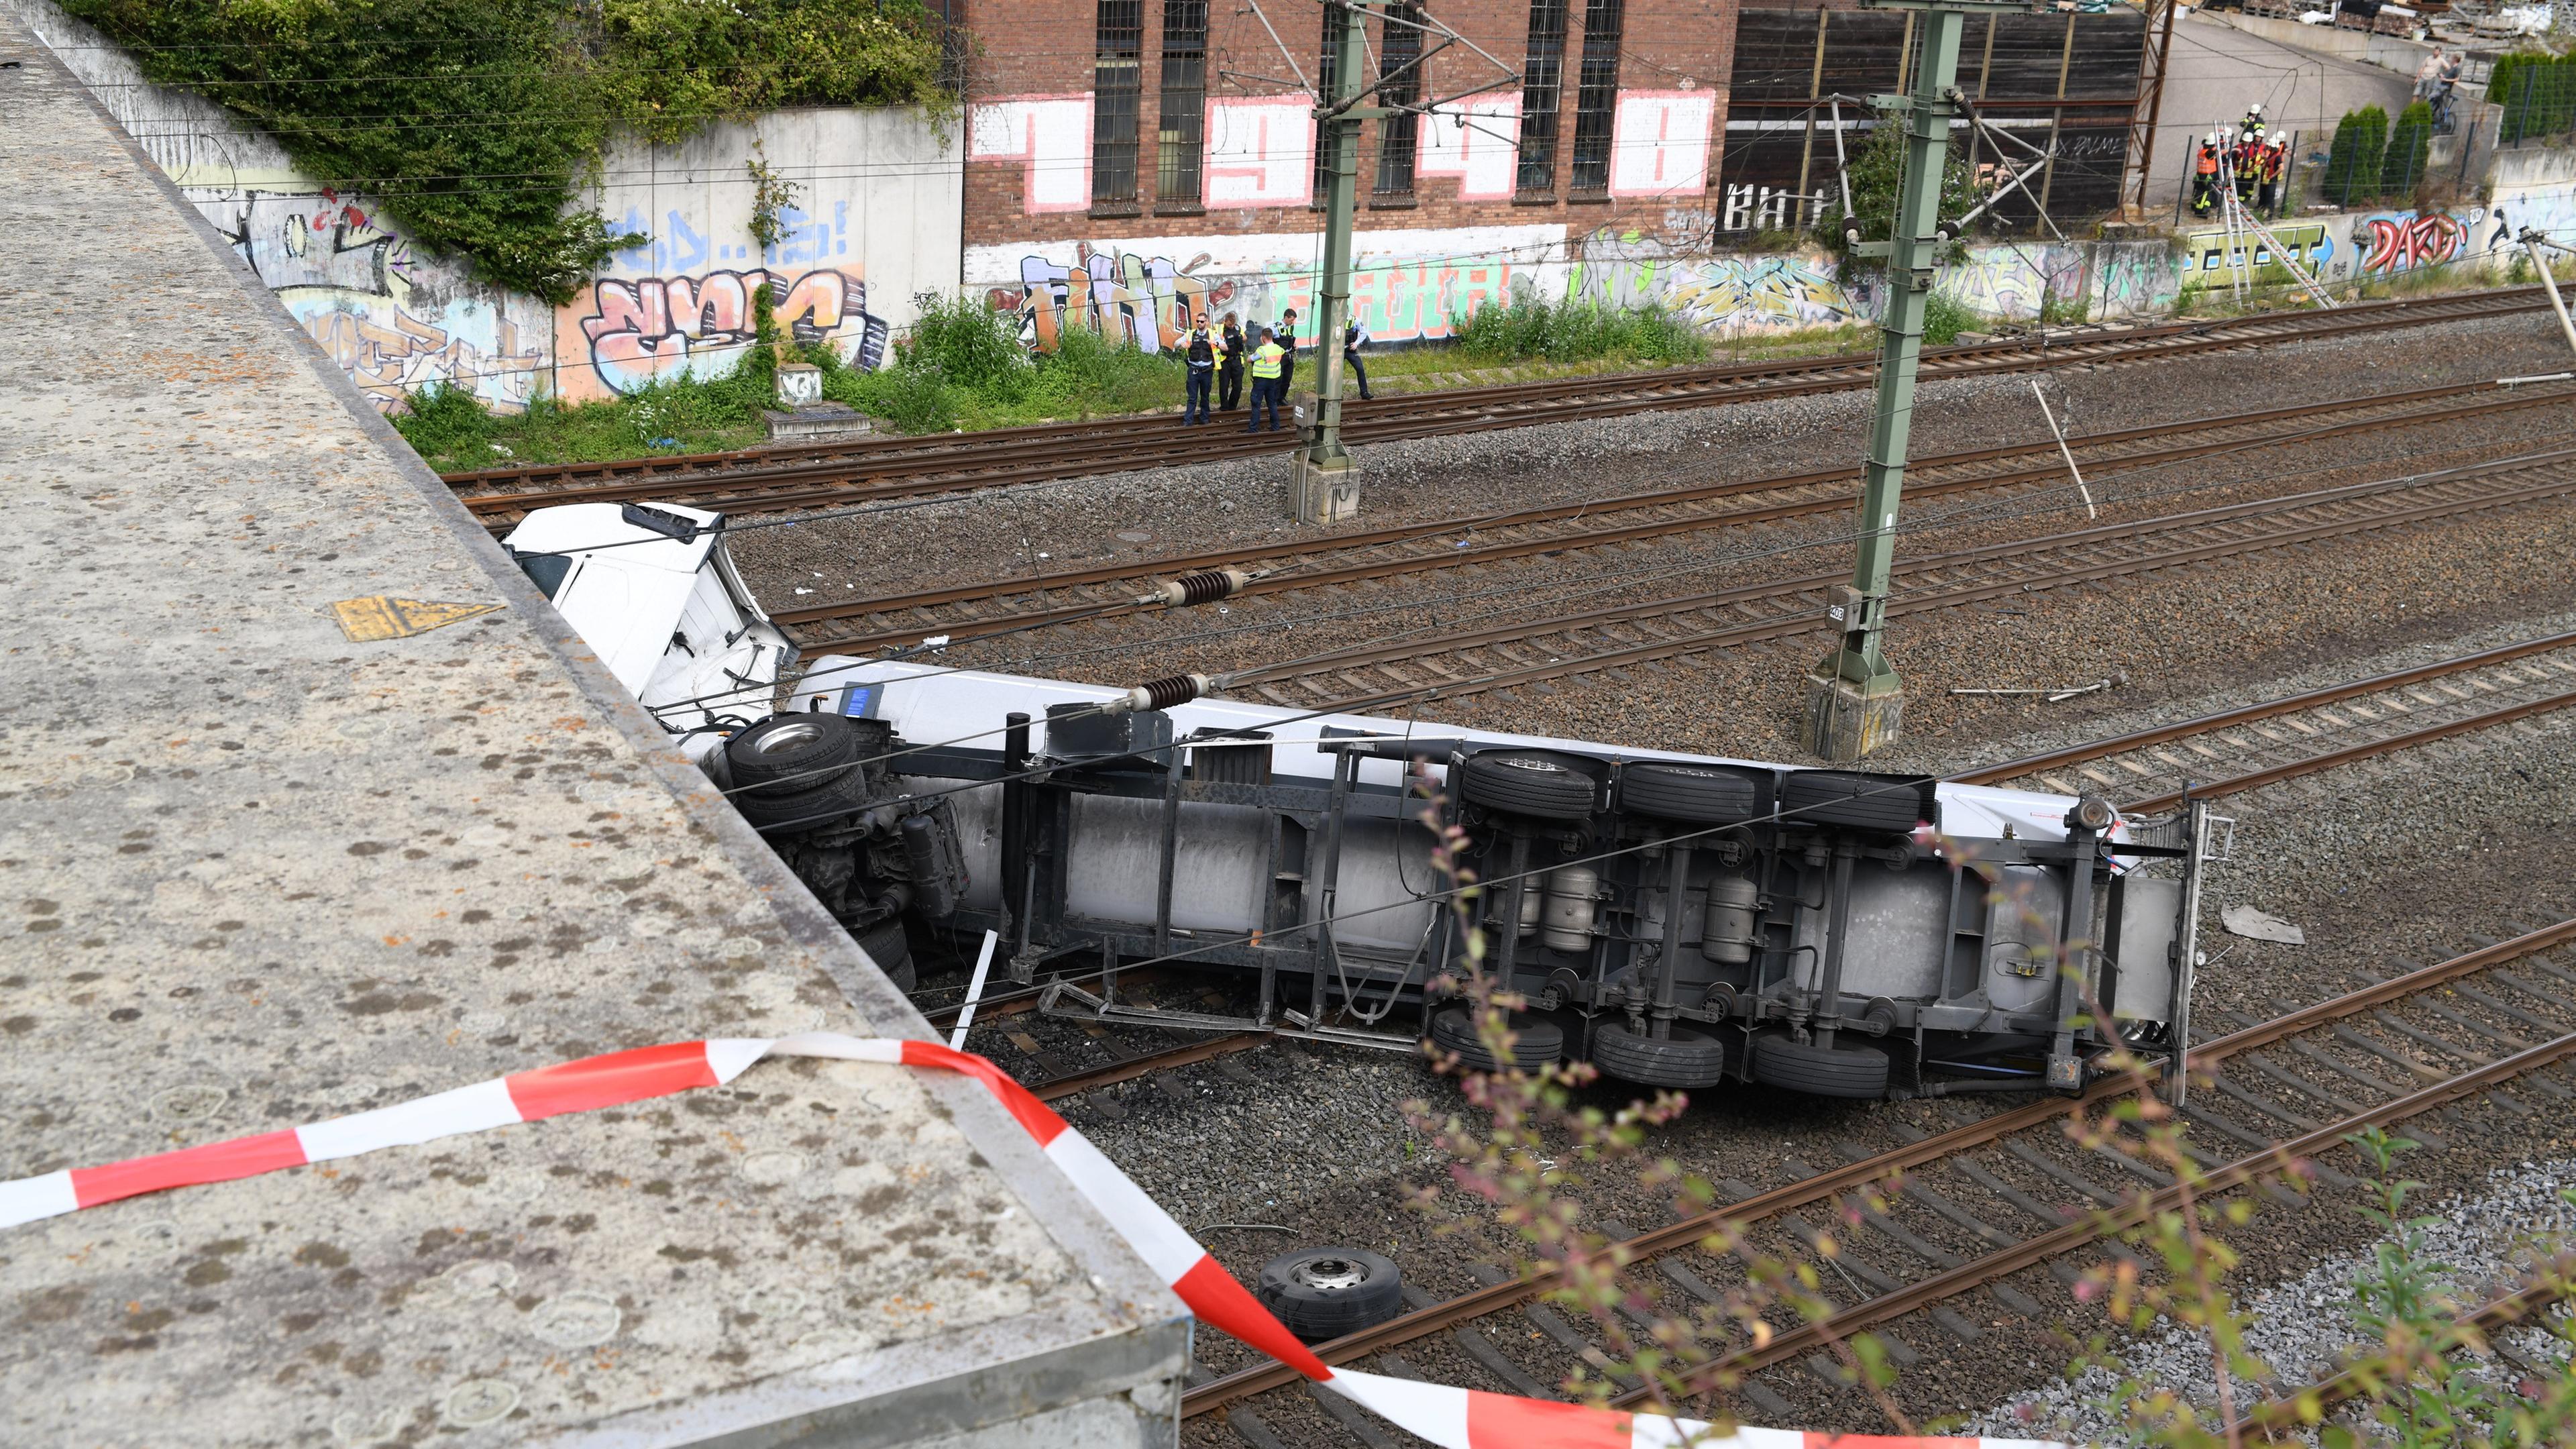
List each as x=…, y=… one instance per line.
x=804, y=809
x=1528, y=782
x=791, y=752
x=1685, y=1059
x=1322, y=1293
x=1837, y=1071
x=891, y=949
x=1891, y=803
x=1691, y=794
x=1536, y=1041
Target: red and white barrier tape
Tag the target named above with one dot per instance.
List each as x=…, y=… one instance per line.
x=1453, y=1418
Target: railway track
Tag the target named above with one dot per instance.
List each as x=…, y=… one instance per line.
x=1440, y=661
x=967, y=612
x=870, y=469
x=2002, y=1206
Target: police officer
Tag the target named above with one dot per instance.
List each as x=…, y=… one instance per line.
x=2204, y=176
x=1285, y=334
x=1229, y=369
x=1201, y=357
x=1268, y=382
x=1355, y=337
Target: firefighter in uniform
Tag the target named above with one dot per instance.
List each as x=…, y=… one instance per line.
x=2204, y=176
x=2274, y=161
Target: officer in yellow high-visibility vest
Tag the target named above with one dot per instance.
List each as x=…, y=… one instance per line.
x=1266, y=382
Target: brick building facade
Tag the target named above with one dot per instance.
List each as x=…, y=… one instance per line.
x=1133, y=162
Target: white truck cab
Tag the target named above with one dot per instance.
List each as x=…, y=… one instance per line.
x=652, y=590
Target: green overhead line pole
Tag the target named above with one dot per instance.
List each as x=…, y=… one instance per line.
x=1855, y=702
x=1324, y=488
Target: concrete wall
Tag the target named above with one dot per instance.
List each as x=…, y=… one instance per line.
x=876, y=221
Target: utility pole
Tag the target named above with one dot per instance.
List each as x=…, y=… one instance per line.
x=1855, y=702
x=1323, y=486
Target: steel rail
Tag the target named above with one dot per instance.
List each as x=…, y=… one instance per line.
x=2290, y=704
x=1285, y=581
x=2004, y=1262
x=2274, y=774
x=1787, y=625
x=776, y=480
x=1691, y=1231
x=1179, y=1056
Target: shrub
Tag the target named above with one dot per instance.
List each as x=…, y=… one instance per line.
x=1944, y=318
x=444, y=420
x=1572, y=331
x=2352, y=166
x=1876, y=166
x=2410, y=146
x=2537, y=91
x=972, y=345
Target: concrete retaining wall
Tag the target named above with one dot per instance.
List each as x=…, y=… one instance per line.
x=876, y=221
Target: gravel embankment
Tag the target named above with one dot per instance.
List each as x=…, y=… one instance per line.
x=2486, y=1238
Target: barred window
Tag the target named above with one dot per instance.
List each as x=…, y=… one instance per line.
x=1398, y=135
x=1184, y=101
x=1328, y=80
x=1596, y=99
x=1542, y=78
x=1116, y=74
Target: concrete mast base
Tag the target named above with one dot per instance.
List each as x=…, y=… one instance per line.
x=1848, y=719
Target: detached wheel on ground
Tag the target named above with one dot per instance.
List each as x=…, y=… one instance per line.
x=1326, y=1292
x=1692, y=794
x=791, y=752
x=1528, y=782
x=1892, y=803
x=1684, y=1059
x=887, y=946
x=1534, y=1042
x=1819, y=1071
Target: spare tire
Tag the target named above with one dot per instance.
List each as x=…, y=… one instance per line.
x=791, y=752
x=1691, y=794
x=786, y=809
x=1685, y=1059
x=1537, y=1041
x=1891, y=803
x=1322, y=1293
x=1535, y=783
x=891, y=949
x=1780, y=1060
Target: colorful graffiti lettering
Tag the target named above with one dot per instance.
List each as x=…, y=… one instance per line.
x=1148, y=301
x=354, y=287
x=2405, y=240
x=2307, y=243
x=659, y=329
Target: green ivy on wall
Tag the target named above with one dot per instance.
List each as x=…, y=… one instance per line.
x=475, y=123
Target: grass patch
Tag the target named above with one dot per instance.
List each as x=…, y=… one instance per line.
x=1527, y=330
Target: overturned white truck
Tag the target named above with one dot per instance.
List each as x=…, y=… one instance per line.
x=1677, y=920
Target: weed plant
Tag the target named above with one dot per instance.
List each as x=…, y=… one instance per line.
x=1532, y=329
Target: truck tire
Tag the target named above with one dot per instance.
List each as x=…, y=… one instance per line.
x=1690, y=794
x=1322, y=1293
x=1685, y=1059
x=1783, y=1061
x=1528, y=782
x=1891, y=803
x=1537, y=1041
x=891, y=949
x=806, y=808
x=787, y=753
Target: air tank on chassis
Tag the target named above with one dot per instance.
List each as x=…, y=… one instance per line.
x=1677, y=920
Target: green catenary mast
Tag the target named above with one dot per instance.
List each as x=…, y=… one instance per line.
x=1855, y=702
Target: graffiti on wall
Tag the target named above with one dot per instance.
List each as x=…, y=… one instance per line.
x=1153, y=302
x=1722, y=293
x=1476, y=141
x=2016, y=282
x=1260, y=152
x=2402, y=241
x=394, y=325
x=2308, y=243
x=630, y=332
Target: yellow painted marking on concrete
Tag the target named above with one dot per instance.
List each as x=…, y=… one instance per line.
x=382, y=616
